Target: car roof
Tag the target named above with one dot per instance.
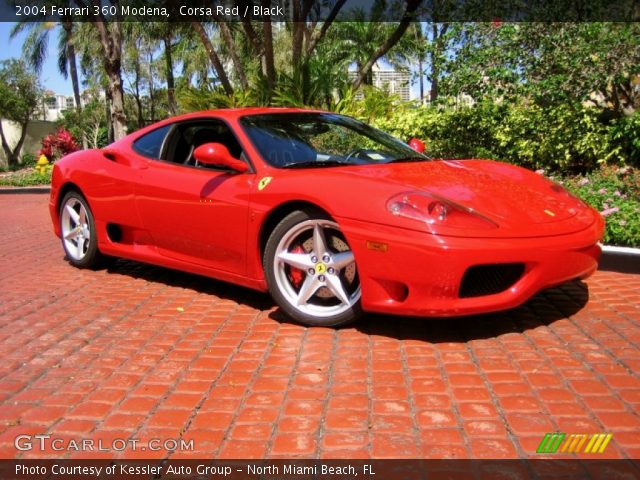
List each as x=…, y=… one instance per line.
x=223, y=113
x=234, y=113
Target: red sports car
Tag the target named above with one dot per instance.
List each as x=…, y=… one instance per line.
x=328, y=214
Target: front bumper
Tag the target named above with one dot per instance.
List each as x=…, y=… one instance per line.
x=412, y=273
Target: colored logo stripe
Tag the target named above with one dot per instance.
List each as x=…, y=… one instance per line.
x=595, y=443
x=550, y=443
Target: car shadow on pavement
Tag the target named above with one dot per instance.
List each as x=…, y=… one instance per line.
x=197, y=283
x=542, y=309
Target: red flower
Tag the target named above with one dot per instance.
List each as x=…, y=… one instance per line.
x=55, y=146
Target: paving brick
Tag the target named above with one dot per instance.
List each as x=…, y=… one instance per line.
x=346, y=420
x=254, y=431
x=393, y=446
x=492, y=448
x=293, y=445
x=126, y=362
x=299, y=423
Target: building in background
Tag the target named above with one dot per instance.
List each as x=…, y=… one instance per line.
x=54, y=104
x=396, y=83
x=393, y=81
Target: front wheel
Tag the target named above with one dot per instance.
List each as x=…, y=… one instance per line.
x=311, y=270
x=78, y=229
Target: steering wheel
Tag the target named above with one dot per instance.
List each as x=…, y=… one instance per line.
x=356, y=151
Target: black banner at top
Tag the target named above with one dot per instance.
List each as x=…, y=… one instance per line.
x=321, y=10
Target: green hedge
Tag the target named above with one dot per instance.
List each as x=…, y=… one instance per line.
x=569, y=139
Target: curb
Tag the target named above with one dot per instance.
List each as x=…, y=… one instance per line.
x=34, y=189
x=620, y=259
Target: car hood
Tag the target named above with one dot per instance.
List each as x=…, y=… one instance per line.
x=499, y=191
x=521, y=202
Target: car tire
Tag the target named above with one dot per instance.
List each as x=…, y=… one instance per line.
x=311, y=271
x=78, y=232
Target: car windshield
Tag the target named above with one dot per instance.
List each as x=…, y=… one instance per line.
x=290, y=140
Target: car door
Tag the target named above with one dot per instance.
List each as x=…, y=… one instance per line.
x=194, y=213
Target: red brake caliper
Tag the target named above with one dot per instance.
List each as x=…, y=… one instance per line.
x=295, y=274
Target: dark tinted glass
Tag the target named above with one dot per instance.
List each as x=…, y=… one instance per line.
x=150, y=144
x=317, y=139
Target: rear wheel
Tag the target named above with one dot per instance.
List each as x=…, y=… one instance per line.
x=311, y=270
x=78, y=230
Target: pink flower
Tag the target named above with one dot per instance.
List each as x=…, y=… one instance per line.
x=583, y=181
x=602, y=191
x=622, y=223
x=609, y=211
x=540, y=172
x=617, y=193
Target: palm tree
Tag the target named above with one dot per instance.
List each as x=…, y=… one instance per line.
x=37, y=41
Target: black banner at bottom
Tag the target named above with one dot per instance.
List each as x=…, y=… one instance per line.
x=298, y=469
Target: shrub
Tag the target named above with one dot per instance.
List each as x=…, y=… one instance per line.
x=615, y=193
x=58, y=144
x=563, y=138
x=28, y=160
x=27, y=178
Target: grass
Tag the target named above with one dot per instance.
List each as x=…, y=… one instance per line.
x=25, y=178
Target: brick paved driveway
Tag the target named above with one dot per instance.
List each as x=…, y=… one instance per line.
x=142, y=352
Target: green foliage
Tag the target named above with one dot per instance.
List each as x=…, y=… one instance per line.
x=548, y=63
x=561, y=138
x=369, y=104
x=89, y=124
x=615, y=193
x=28, y=160
x=27, y=177
x=19, y=91
x=191, y=99
x=19, y=96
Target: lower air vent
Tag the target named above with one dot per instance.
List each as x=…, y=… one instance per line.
x=490, y=279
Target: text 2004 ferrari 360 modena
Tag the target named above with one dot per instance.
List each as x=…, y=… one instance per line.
x=332, y=216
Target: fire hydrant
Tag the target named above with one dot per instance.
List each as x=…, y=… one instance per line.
x=41, y=166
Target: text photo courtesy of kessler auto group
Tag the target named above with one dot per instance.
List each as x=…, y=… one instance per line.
x=379, y=239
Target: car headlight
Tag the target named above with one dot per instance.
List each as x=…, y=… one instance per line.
x=434, y=210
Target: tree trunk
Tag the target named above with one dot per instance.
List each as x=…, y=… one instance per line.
x=171, y=84
x=73, y=72
x=421, y=78
x=319, y=34
x=297, y=35
x=213, y=57
x=111, y=39
x=393, y=39
x=269, y=63
x=231, y=47
x=136, y=89
x=13, y=155
x=152, y=92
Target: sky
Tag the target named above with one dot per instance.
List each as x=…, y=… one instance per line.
x=50, y=76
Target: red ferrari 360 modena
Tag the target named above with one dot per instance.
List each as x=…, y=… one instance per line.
x=328, y=214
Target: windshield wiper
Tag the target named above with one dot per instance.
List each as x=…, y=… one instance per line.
x=408, y=159
x=315, y=163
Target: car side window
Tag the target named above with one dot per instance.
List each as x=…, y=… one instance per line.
x=185, y=138
x=150, y=145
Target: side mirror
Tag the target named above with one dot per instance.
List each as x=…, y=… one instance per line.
x=218, y=154
x=417, y=145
